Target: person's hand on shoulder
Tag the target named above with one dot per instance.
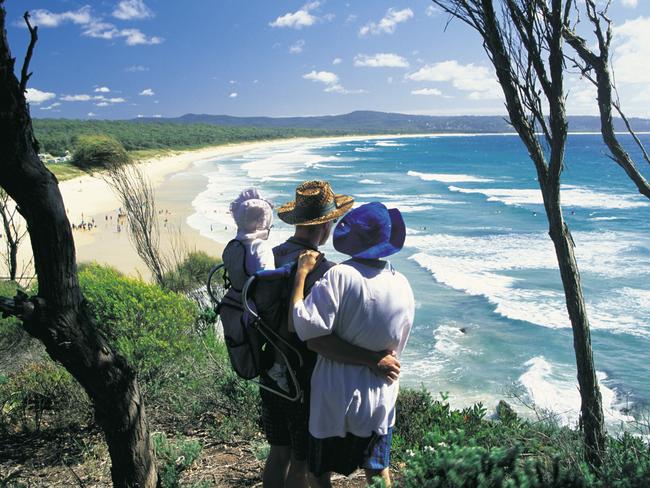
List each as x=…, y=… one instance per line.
x=307, y=261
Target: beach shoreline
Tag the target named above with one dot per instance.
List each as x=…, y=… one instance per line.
x=89, y=198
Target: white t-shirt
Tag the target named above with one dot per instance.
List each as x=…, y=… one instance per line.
x=368, y=306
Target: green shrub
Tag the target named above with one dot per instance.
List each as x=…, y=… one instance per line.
x=192, y=273
x=463, y=463
x=174, y=457
x=151, y=327
x=626, y=463
x=39, y=394
x=417, y=413
x=98, y=151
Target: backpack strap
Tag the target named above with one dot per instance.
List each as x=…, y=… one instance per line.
x=236, y=274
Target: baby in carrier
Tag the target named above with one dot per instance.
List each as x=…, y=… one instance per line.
x=254, y=216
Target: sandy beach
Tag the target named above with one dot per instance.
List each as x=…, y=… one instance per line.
x=90, y=199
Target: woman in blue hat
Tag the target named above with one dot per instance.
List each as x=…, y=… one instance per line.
x=365, y=302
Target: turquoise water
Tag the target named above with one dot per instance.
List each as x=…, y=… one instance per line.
x=479, y=258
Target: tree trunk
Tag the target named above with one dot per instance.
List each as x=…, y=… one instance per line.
x=58, y=315
x=591, y=407
x=13, y=262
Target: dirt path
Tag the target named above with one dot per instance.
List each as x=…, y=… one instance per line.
x=66, y=459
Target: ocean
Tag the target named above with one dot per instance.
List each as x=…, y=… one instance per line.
x=490, y=321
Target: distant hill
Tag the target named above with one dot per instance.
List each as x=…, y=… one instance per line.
x=383, y=122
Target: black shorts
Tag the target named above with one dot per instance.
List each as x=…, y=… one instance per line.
x=286, y=423
x=344, y=455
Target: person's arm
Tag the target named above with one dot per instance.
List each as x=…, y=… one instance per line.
x=306, y=264
x=383, y=363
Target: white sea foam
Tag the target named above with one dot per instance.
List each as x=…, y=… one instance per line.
x=365, y=149
x=410, y=200
x=368, y=181
x=449, y=178
x=287, y=161
x=489, y=266
x=286, y=179
x=572, y=196
x=389, y=144
x=554, y=388
x=449, y=342
x=599, y=219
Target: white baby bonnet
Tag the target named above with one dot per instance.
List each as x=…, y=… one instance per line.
x=253, y=215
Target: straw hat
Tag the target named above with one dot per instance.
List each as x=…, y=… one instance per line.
x=315, y=203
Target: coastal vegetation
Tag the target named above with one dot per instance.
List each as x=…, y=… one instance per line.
x=98, y=151
x=55, y=136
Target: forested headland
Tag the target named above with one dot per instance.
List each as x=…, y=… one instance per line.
x=56, y=136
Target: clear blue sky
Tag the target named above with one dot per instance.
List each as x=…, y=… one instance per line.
x=119, y=59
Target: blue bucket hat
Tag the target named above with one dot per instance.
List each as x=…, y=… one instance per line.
x=370, y=231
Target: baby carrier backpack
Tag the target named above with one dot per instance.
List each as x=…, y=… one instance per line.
x=249, y=307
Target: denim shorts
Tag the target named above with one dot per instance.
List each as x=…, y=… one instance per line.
x=344, y=455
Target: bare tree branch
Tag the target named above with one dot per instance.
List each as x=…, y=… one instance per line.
x=33, y=37
x=599, y=64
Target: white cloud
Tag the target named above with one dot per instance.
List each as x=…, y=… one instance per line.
x=76, y=98
x=137, y=69
x=478, y=80
x=50, y=107
x=45, y=18
x=632, y=51
x=147, y=92
x=157, y=116
x=36, y=97
x=330, y=80
x=132, y=9
x=134, y=37
x=581, y=97
x=297, y=47
x=387, y=24
x=336, y=61
x=427, y=91
x=432, y=11
x=93, y=26
x=91, y=114
x=338, y=88
x=381, y=60
x=139, y=116
x=298, y=19
x=102, y=89
x=326, y=77
x=233, y=95
x=104, y=102
x=630, y=3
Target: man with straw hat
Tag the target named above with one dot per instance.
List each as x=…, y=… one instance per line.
x=314, y=212
x=369, y=304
